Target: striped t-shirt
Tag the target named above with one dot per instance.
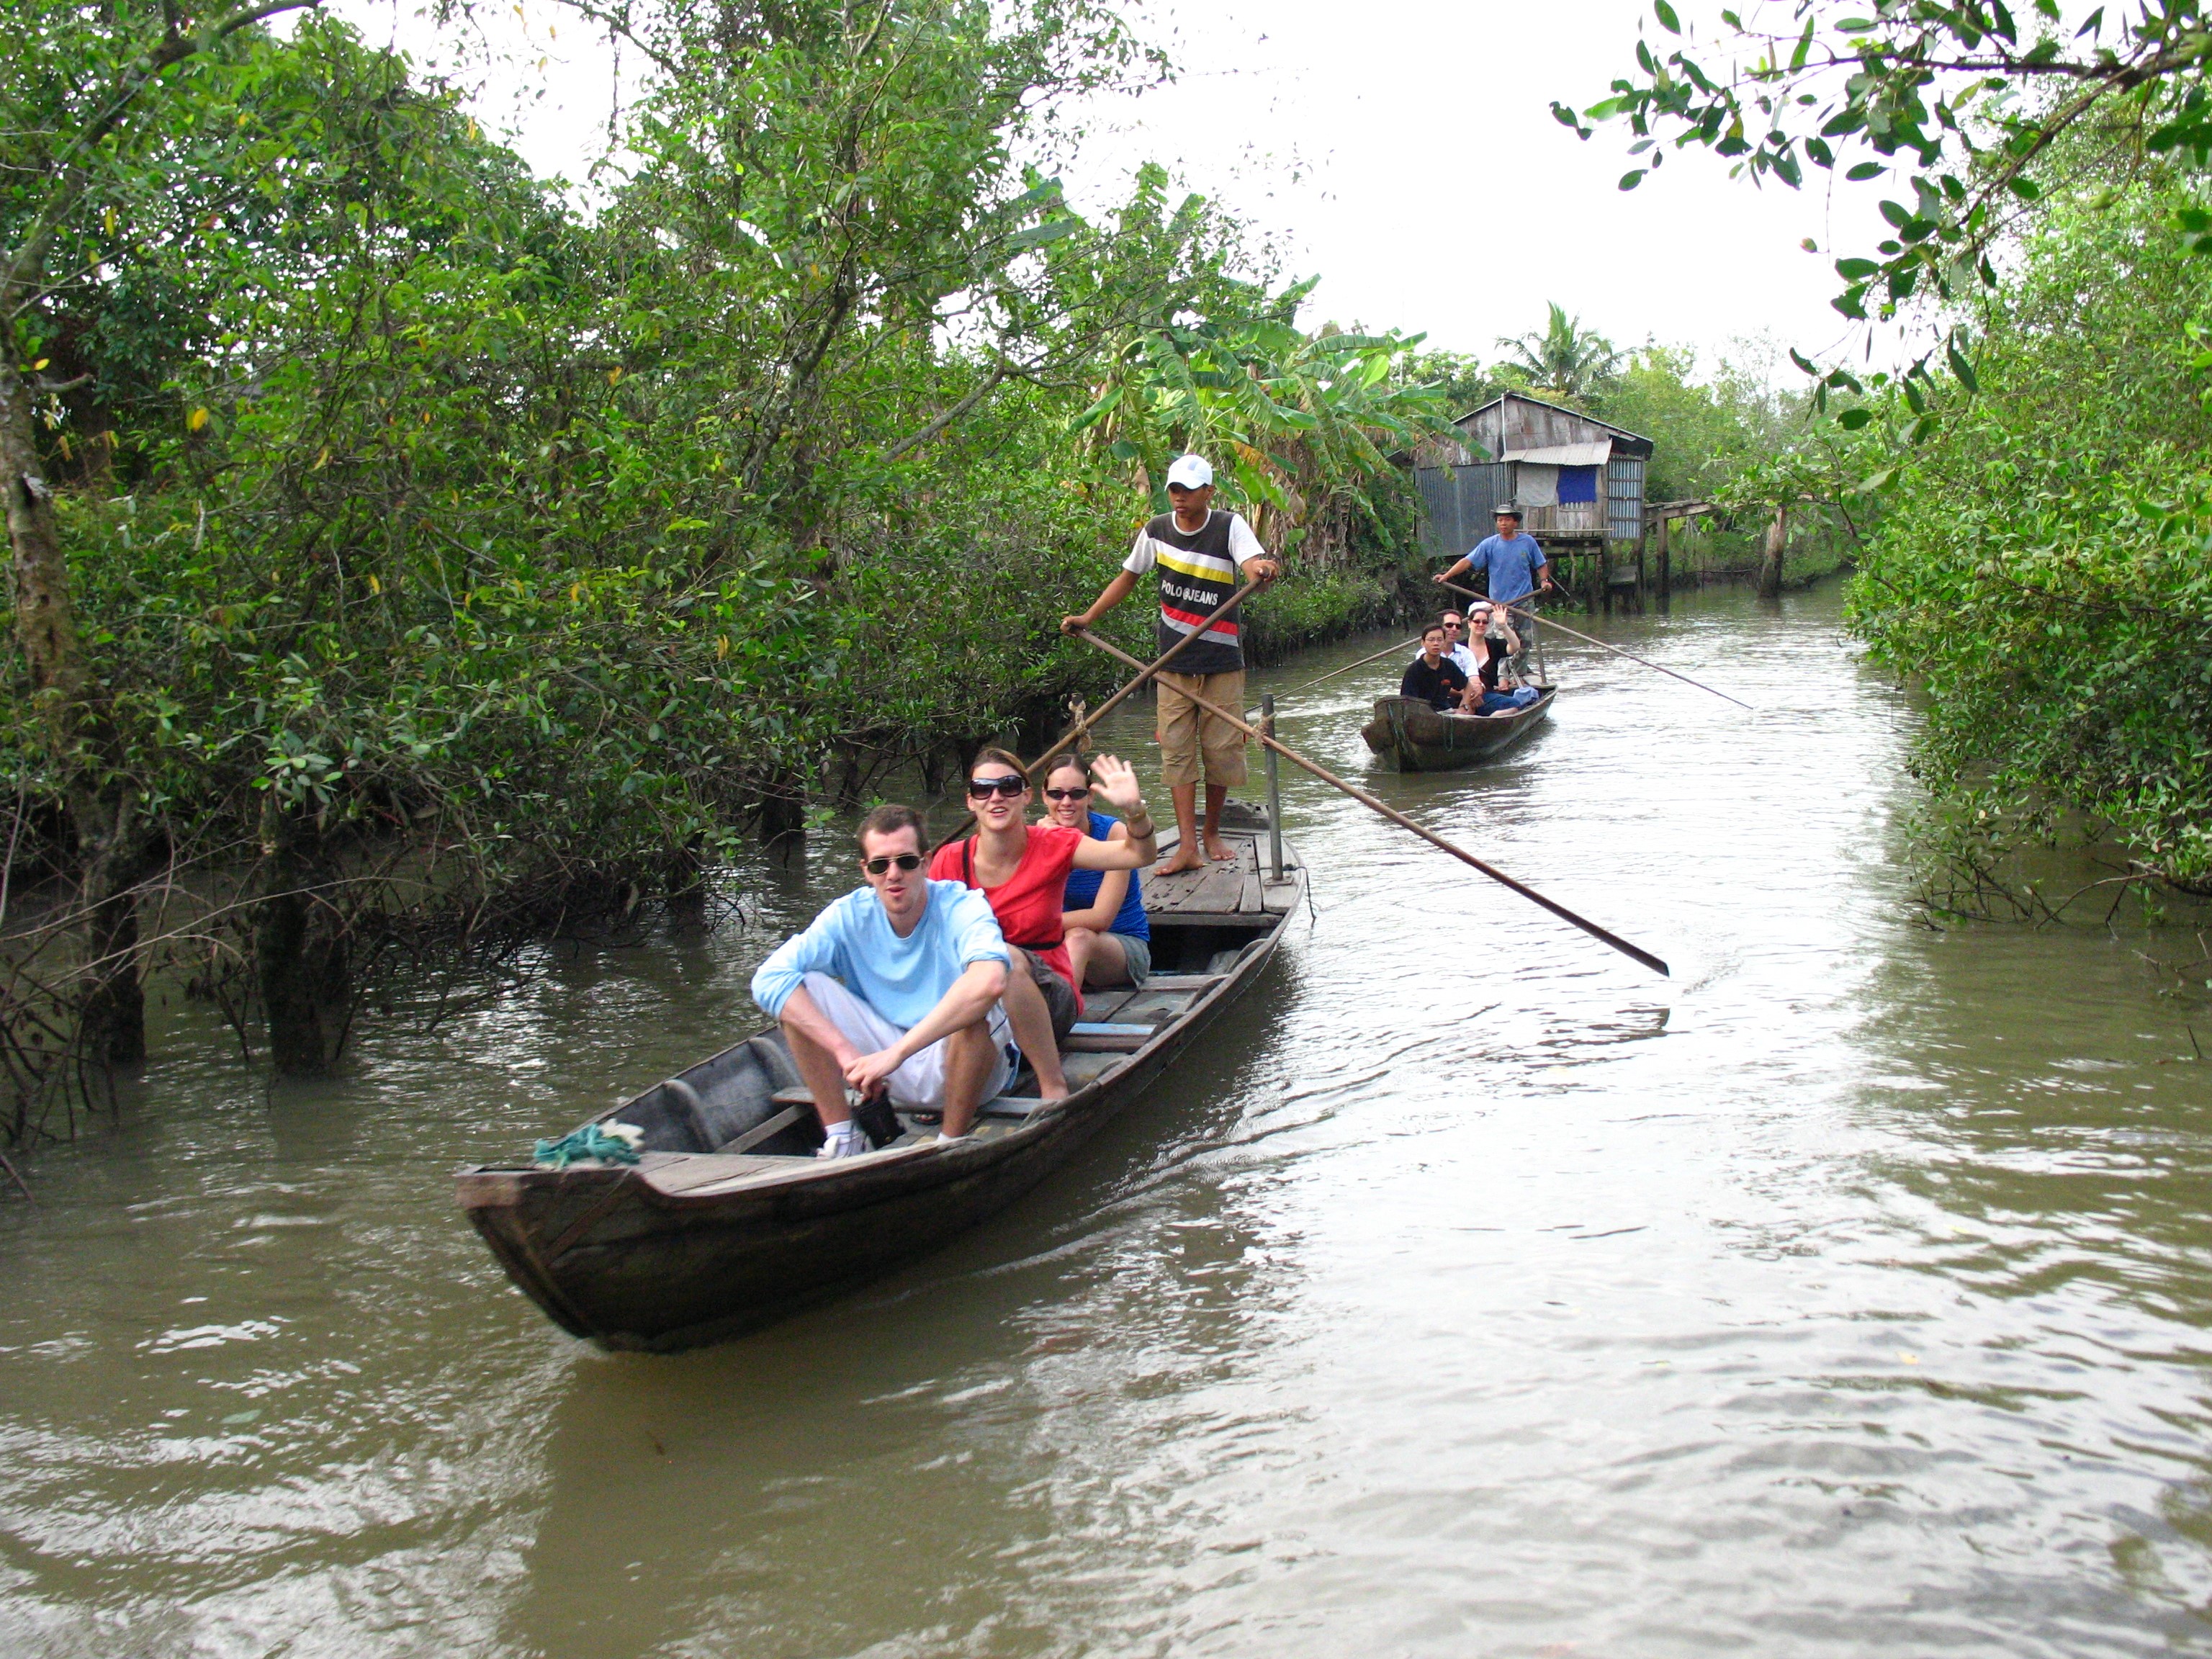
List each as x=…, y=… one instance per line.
x=1198, y=570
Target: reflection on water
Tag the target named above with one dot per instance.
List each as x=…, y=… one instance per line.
x=1474, y=1291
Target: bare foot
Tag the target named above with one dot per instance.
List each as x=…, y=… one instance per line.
x=1219, y=851
x=1181, y=859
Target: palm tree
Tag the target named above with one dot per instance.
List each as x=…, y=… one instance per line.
x=1567, y=360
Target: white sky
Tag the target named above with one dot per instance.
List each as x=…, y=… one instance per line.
x=1404, y=151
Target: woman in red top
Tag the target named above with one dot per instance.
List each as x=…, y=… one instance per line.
x=1022, y=871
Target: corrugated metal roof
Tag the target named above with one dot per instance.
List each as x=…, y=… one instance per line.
x=1594, y=453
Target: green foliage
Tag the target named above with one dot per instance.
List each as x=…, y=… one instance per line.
x=2045, y=562
x=1707, y=428
x=1463, y=382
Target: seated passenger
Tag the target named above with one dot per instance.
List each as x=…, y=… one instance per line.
x=1497, y=642
x=1109, y=939
x=1504, y=703
x=1023, y=872
x=896, y=988
x=1432, y=677
x=1456, y=645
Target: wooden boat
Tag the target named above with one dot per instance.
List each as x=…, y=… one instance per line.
x=728, y=1221
x=1411, y=736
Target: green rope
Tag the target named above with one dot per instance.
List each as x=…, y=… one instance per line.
x=609, y=1143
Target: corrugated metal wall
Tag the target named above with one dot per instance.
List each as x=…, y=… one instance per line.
x=1624, y=497
x=1458, y=503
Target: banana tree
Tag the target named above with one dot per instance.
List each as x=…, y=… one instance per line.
x=1300, y=426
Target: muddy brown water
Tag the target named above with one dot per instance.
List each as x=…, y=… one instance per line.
x=1473, y=1292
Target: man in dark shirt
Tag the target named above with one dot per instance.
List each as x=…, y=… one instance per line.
x=1432, y=677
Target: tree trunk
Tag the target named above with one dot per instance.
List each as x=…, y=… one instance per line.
x=301, y=956
x=1770, y=568
x=114, y=1010
x=782, y=811
x=110, y=842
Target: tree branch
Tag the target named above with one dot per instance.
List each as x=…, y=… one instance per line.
x=923, y=434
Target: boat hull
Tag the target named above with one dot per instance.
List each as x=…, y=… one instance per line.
x=1409, y=736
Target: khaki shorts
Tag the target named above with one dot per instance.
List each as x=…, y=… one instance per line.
x=1187, y=732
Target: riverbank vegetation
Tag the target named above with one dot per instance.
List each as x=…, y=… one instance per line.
x=2032, y=489
x=406, y=561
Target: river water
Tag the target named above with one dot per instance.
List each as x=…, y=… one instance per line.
x=1474, y=1292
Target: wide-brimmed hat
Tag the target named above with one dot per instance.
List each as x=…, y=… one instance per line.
x=1506, y=510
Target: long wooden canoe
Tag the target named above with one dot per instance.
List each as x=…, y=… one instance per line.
x=1409, y=736
x=728, y=1221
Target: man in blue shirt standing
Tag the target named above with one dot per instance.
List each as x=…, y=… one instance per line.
x=896, y=990
x=1515, y=573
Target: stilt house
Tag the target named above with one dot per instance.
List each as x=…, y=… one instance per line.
x=1578, y=482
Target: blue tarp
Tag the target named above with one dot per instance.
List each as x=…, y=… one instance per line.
x=1578, y=483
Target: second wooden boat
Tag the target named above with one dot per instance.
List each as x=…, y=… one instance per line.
x=1409, y=736
x=729, y=1221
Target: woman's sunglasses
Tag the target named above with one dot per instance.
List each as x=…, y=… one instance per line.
x=1010, y=786
x=1083, y=793
x=904, y=860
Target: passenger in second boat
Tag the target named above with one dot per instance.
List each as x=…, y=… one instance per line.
x=1433, y=677
x=1022, y=871
x=1109, y=939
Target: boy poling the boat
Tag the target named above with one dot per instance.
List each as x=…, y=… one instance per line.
x=1022, y=870
x=1198, y=554
x=896, y=989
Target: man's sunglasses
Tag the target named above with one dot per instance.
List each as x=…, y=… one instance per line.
x=904, y=860
x=1010, y=786
x=1083, y=793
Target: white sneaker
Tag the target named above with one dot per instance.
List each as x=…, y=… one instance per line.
x=846, y=1140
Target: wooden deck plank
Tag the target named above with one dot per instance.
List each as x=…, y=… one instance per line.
x=1101, y=1005
x=709, y=1169
x=1250, y=898
x=1214, y=889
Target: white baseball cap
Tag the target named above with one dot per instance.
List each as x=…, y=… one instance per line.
x=1191, y=472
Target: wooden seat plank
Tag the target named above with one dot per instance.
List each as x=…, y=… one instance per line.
x=1120, y=1040
x=1159, y=984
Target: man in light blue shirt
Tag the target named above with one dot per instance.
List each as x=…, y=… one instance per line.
x=1513, y=566
x=895, y=989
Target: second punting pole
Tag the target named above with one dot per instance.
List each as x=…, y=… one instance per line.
x=1604, y=936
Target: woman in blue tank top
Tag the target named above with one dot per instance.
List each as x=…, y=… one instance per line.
x=1109, y=941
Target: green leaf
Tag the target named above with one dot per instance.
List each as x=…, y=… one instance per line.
x=1961, y=368
x=1630, y=179
x=1665, y=14
x=1051, y=231
x=1854, y=420
x=1865, y=170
